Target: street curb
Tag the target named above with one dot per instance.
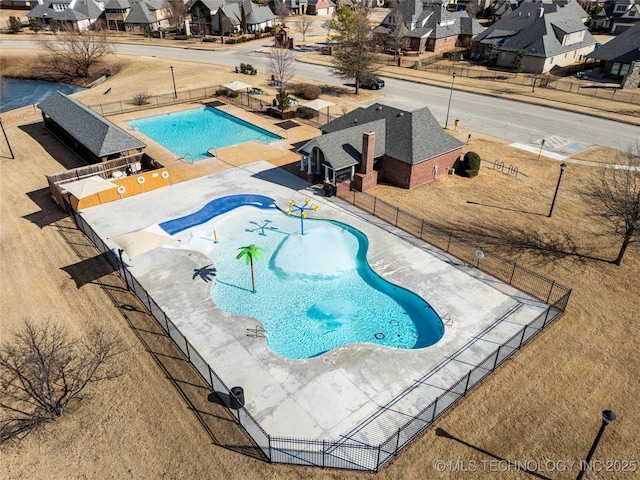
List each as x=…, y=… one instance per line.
x=591, y=112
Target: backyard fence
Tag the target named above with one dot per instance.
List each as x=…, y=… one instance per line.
x=254, y=100
x=608, y=92
x=347, y=453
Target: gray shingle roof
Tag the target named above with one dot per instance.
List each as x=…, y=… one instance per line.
x=428, y=19
x=117, y=5
x=88, y=9
x=212, y=5
x=256, y=14
x=411, y=137
x=140, y=15
x=625, y=48
x=96, y=133
x=343, y=148
x=538, y=35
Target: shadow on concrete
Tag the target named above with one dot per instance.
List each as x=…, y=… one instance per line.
x=281, y=177
x=512, y=465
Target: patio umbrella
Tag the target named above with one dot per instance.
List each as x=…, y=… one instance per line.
x=318, y=105
x=236, y=85
x=86, y=187
x=140, y=241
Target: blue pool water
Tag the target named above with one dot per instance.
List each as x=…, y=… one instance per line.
x=314, y=292
x=192, y=133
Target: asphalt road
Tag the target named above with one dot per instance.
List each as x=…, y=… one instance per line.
x=505, y=119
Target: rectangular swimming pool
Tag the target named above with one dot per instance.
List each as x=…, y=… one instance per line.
x=192, y=133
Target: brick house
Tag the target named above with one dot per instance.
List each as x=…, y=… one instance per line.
x=406, y=149
x=320, y=7
x=549, y=35
x=618, y=55
x=425, y=26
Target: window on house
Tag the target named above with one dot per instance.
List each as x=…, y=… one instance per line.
x=632, y=13
x=551, y=60
x=624, y=69
x=615, y=68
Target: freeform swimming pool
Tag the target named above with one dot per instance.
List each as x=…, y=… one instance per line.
x=315, y=292
x=192, y=133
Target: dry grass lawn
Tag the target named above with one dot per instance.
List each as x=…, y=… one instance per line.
x=544, y=404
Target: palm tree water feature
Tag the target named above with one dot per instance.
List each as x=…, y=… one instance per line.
x=317, y=291
x=250, y=252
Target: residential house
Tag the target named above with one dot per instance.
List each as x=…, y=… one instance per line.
x=132, y=15
x=548, y=34
x=420, y=26
x=618, y=54
x=201, y=13
x=501, y=8
x=73, y=14
x=147, y=16
x=618, y=15
x=288, y=7
x=229, y=17
x=94, y=138
x=320, y=7
x=407, y=149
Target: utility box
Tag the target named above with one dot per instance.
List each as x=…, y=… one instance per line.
x=236, y=397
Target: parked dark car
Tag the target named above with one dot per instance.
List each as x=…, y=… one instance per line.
x=372, y=83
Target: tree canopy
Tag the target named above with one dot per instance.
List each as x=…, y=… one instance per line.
x=354, y=56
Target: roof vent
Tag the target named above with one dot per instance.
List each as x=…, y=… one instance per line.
x=401, y=114
x=379, y=107
x=355, y=121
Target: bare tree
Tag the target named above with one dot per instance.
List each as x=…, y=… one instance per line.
x=281, y=65
x=176, y=12
x=355, y=57
x=281, y=10
x=303, y=25
x=43, y=368
x=614, y=194
x=72, y=54
x=395, y=38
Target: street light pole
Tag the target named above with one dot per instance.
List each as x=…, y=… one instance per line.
x=553, y=202
x=173, y=79
x=446, y=122
x=607, y=417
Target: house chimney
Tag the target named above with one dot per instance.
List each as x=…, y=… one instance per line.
x=368, y=149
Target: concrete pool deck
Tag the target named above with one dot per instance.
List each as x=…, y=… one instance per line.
x=346, y=393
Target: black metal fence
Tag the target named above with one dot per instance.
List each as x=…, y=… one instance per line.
x=534, y=284
x=534, y=81
x=249, y=99
x=345, y=453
